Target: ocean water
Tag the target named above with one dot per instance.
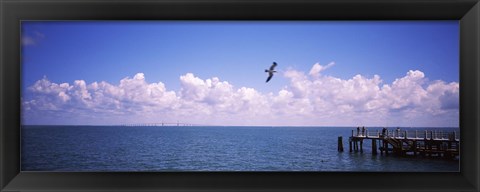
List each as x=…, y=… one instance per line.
x=196, y=148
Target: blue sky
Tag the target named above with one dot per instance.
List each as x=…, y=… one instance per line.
x=236, y=52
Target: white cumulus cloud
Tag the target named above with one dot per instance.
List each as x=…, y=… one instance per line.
x=317, y=68
x=313, y=99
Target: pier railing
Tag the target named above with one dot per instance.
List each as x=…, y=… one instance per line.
x=408, y=134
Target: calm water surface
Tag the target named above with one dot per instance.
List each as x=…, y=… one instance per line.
x=112, y=148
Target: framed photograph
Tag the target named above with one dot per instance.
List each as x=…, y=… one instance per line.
x=205, y=108
x=239, y=95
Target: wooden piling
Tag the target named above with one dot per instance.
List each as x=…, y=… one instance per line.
x=374, y=147
x=414, y=148
x=380, y=143
x=340, y=144
x=361, y=146
x=350, y=142
x=355, y=146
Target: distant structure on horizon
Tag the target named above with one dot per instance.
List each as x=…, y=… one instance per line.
x=159, y=124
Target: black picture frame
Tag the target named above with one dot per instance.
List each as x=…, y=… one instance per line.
x=13, y=11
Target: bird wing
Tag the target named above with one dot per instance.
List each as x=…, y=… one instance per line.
x=273, y=66
x=270, y=75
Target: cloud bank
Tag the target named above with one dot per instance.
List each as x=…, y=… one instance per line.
x=311, y=99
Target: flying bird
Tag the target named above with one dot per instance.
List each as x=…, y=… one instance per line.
x=270, y=71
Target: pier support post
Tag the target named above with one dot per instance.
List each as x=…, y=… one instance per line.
x=374, y=147
x=340, y=144
x=386, y=148
x=361, y=146
x=415, y=148
x=429, y=143
x=381, y=144
x=350, y=142
x=355, y=146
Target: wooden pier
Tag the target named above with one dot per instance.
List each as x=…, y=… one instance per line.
x=434, y=143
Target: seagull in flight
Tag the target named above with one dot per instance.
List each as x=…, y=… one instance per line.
x=270, y=71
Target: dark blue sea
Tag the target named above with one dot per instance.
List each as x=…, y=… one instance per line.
x=196, y=148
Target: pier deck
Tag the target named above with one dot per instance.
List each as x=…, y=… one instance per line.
x=404, y=143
